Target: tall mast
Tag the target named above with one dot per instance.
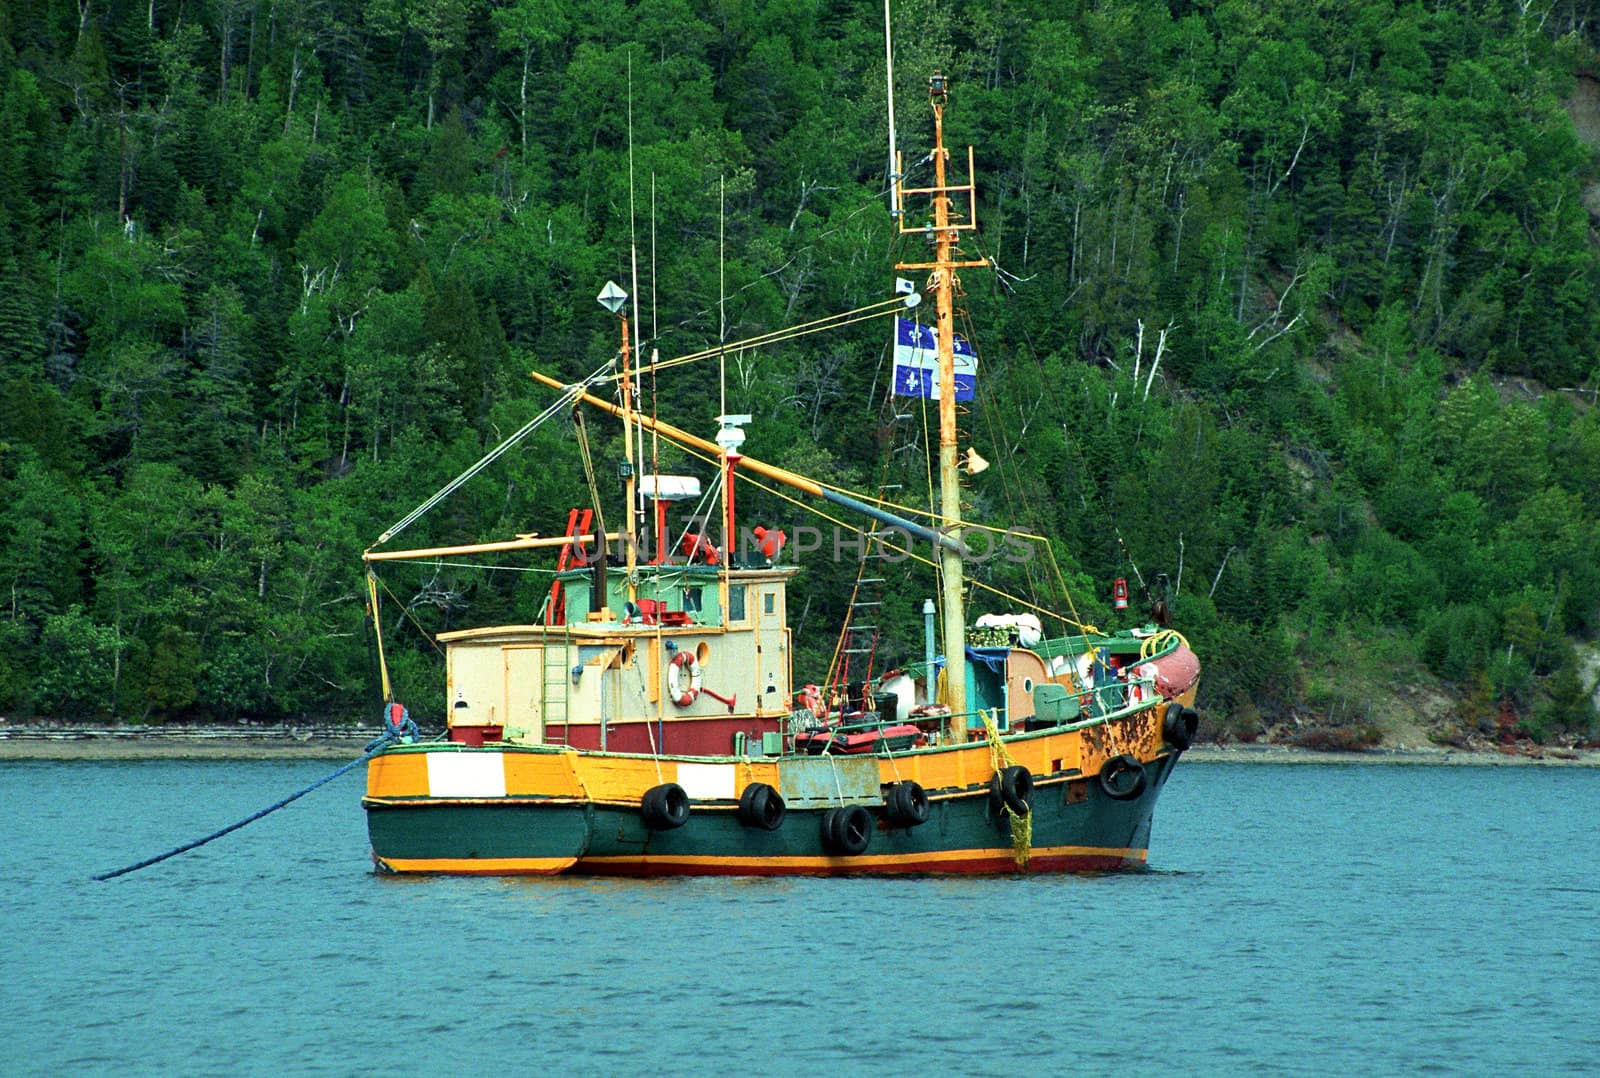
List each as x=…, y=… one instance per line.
x=613, y=299
x=630, y=539
x=947, y=224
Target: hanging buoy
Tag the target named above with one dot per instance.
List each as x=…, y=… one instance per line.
x=684, y=679
x=1119, y=594
x=397, y=722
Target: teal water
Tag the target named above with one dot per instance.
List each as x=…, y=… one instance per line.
x=1295, y=920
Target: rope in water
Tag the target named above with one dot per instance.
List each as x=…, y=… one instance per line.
x=389, y=737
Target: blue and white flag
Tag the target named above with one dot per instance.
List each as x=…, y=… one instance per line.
x=916, y=363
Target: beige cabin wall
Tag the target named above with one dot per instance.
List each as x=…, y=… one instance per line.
x=474, y=694
x=771, y=649
x=520, y=677
x=1025, y=671
x=522, y=682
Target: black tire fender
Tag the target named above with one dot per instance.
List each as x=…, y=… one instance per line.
x=1179, y=725
x=761, y=807
x=664, y=807
x=1122, y=778
x=906, y=804
x=847, y=831
x=1012, y=788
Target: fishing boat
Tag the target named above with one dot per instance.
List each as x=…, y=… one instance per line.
x=647, y=720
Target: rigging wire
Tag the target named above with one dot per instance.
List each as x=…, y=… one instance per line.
x=779, y=336
x=1010, y=475
x=691, y=451
x=866, y=204
x=568, y=395
x=588, y=472
x=405, y=608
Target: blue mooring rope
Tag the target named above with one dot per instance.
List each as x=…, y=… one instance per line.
x=389, y=737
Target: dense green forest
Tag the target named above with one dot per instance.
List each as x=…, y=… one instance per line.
x=272, y=271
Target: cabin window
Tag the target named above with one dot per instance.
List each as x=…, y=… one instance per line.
x=692, y=599
x=769, y=603
x=736, y=602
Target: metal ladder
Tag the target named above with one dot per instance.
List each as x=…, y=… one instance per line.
x=578, y=521
x=858, y=660
x=553, y=687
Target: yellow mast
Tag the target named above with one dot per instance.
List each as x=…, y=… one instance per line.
x=612, y=298
x=944, y=284
x=629, y=481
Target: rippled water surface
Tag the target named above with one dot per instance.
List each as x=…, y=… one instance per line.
x=1307, y=920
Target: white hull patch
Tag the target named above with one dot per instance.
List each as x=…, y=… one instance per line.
x=707, y=782
x=466, y=774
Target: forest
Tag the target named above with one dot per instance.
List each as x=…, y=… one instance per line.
x=1293, y=304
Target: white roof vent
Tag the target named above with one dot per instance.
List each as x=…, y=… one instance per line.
x=669, y=488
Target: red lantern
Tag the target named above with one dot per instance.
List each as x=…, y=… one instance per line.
x=1119, y=594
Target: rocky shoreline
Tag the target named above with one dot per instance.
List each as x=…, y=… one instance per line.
x=324, y=741
x=1431, y=756
x=265, y=742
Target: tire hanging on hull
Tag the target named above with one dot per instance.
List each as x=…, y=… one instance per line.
x=1012, y=788
x=664, y=807
x=1122, y=778
x=906, y=805
x=1179, y=726
x=761, y=807
x=847, y=831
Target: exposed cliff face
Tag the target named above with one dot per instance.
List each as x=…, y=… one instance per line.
x=1589, y=669
x=1584, y=108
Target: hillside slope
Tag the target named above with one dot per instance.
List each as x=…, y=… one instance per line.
x=1266, y=277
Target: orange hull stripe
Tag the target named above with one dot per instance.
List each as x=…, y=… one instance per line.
x=482, y=866
x=885, y=860
x=946, y=860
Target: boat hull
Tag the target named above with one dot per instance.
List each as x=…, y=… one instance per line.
x=1073, y=825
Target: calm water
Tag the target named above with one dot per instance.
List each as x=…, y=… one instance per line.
x=1296, y=920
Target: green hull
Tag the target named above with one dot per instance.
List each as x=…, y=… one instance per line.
x=1073, y=825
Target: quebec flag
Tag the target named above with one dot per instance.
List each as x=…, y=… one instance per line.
x=916, y=363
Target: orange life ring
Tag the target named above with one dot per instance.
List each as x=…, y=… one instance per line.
x=684, y=695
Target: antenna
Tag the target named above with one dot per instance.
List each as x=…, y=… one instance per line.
x=894, y=160
x=635, y=516
x=652, y=256
x=730, y=537
x=655, y=357
x=722, y=291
